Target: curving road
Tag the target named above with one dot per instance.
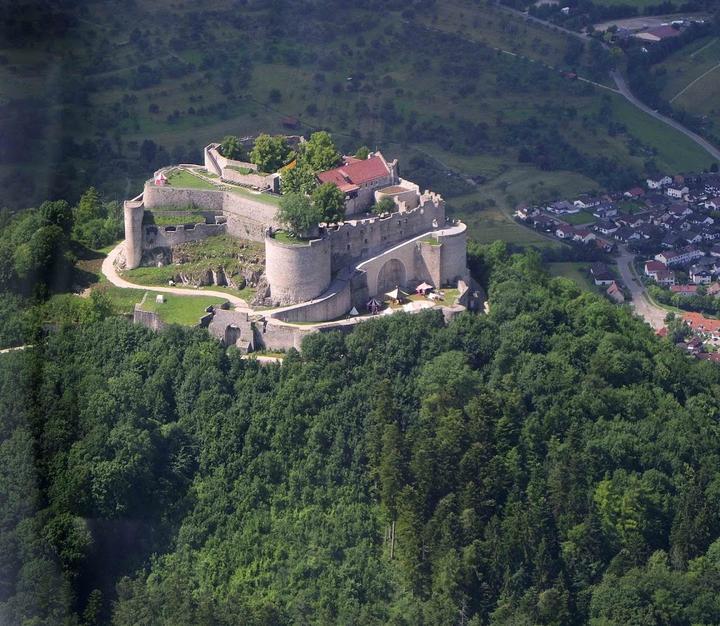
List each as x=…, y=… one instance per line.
x=651, y=313
x=625, y=91
x=109, y=271
x=622, y=86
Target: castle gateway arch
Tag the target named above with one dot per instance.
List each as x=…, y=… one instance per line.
x=392, y=274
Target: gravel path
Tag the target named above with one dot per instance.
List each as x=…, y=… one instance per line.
x=109, y=271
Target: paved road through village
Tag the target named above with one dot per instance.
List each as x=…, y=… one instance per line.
x=651, y=313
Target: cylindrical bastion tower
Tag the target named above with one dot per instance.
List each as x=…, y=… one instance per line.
x=297, y=272
x=133, y=212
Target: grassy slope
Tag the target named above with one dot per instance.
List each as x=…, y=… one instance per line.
x=688, y=64
x=577, y=272
x=309, y=62
x=184, y=310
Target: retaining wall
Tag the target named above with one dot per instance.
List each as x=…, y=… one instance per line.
x=254, y=179
x=147, y=318
x=334, y=303
x=157, y=196
x=169, y=236
x=280, y=337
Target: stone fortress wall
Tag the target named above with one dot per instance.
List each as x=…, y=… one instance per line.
x=234, y=213
x=227, y=169
x=348, y=263
x=298, y=273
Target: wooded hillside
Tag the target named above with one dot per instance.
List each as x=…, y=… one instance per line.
x=551, y=463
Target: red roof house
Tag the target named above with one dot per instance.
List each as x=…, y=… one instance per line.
x=654, y=266
x=354, y=173
x=685, y=290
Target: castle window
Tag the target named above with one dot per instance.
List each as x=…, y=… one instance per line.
x=348, y=247
x=365, y=240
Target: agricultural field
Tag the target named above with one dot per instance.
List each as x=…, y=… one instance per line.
x=175, y=82
x=691, y=79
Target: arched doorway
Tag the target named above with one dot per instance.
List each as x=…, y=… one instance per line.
x=391, y=275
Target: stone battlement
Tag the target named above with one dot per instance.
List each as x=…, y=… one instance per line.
x=360, y=257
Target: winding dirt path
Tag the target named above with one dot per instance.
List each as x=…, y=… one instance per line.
x=109, y=271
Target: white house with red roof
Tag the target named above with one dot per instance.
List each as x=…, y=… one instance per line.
x=359, y=179
x=652, y=267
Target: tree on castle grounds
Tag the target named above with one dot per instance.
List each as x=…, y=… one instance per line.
x=298, y=213
x=298, y=178
x=386, y=205
x=270, y=153
x=231, y=148
x=330, y=201
x=320, y=152
x=362, y=152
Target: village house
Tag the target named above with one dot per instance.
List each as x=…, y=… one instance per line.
x=583, y=235
x=606, y=227
x=543, y=222
x=586, y=203
x=604, y=244
x=680, y=210
x=701, y=220
x=635, y=192
x=615, y=293
x=601, y=274
x=684, y=290
x=562, y=207
x=692, y=237
x=700, y=275
x=671, y=240
x=626, y=235
x=653, y=266
x=712, y=203
x=666, y=278
x=679, y=257
x=525, y=212
x=713, y=290
x=604, y=210
x=658, y=183
x=655, y=200
x=563, y=231
x=703, y=327
x=677, y=192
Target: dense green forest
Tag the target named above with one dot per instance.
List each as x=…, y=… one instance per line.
x=552, y=462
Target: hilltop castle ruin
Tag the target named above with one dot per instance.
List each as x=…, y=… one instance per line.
x=322, y=278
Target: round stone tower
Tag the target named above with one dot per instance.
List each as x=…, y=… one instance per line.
x=133, y=210
x=297, y=272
